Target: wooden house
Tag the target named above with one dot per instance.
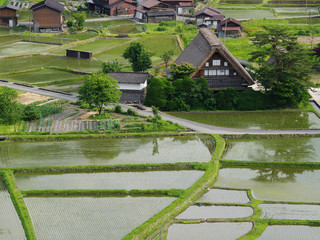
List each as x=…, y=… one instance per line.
x=153, y=11
x=47, y=16
x=133, y=85
x=209, y=17
x=229, y=28
x=8, y=15
x=182, y=7
x=113, y=7
x=214, y=62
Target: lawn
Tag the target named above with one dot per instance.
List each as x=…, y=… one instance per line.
x=157, y=45
x=108, y=23
x=96, y=46
x=31, y=62
x=21, y=48
x=41, y=76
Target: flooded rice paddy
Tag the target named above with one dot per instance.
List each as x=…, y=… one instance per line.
x=20, y=48
x=273, y=183
x=256, y=120
x=10, y=224
x=112, y=180
x=225, y=196
x=290, y=232
x=108, y=151
x=91, y=218
x=207, y=212
x=300, y=149
x=290, y=211
x=205, y=231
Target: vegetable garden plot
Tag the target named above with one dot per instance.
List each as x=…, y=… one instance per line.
x=273, y=183
x=193, y=148
x=256, y=120
x=91, y=218
x=225, y=196
x=284, y=149
x=207, y=212
x=205, y=231
x=112, y=180
x=20, y=48
x=10, y=224
x=290, y=232
x=290, y=211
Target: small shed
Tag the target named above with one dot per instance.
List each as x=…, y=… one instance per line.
x=8, y=15
x=113, y=7
x=47, y=16
x=133, y=85
x=154, y=11
x=230, y=28
x=210, y=17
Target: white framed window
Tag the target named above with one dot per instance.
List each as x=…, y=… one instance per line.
x=234, y=73
x=212, y=72
x=226, y=72
x=216, y=62
x=220, y=72
x=225, y=64
x=206, y=72
x=207, y=64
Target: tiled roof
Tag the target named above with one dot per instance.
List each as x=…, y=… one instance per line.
x=49, y=3
x=210, y=11
x=150, y=3
x=9, y=6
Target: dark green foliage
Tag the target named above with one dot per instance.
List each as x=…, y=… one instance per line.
x=31, y=112
x=131, y=112
x=118, y=109
x=156, y=95
x=111, y=67
x=138, y=56
x=287, y=77
x=250, y=100
x=202, y=82
x=181, y=71
x=161, y=29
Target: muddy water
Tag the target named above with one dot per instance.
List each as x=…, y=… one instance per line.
x=225, y=196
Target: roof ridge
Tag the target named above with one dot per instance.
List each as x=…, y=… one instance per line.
x=210, y=37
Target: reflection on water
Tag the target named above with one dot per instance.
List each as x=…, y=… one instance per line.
x=109, y=151
x=256, y=120
x=299, y=149
x=277, y=184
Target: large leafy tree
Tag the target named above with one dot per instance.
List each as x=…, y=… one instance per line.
x=138, y=56
x=283, y=66
x=99, y=89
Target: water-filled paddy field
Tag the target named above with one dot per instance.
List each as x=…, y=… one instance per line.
x=20, y=48
x=91, y=218
x=273, y=183
x=248, y=14
x=256, y=120
x=224, y=196
x=284, y=149
x=10, y=224
x=108, y=151
x=113, y=180
x=205, y=231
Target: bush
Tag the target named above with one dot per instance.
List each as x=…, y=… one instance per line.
x=250, y=100
x=30, y=113
x=162, y=29
x=131, y=112
x=118, y=109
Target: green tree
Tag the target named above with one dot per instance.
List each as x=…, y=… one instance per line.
x=156, y=94
x=111, y=67
x=166, y=56
x=181, y=71
x=99, y=89
x=80, y=19
x=10, y=109
x=286, y=76
x=138, y=56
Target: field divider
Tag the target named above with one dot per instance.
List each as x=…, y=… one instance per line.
x=111, y=168
x=19, y=204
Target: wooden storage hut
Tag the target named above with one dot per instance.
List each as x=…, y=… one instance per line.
x=8, y=15
x=133, y=85
x=47, y=16
x=153, y=11
x=230, y=28
x=209, y=17
x=113, y=7
x=215, y=63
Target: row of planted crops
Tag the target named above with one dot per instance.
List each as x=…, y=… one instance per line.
x=176, y=187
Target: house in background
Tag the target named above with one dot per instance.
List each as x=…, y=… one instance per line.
x=47, y=16
x=209, y=17
x=133, y=85
x=214, y=62
x=230, y=28
x=8, y=15
x=182, y=7
x=113, y=7
x=154, y=11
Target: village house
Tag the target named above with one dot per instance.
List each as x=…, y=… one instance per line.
x=153, y=11
x=209, y=17
x=214, y=62
x=182, y=7
x=8, y=15
x=133, y=85
x=113, y=7
x=47, y=16
x=229, y=28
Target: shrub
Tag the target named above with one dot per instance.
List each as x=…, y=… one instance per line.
x=161, y=29
x=118, y=109
x=131, y=112
x=250, y=100
x=31, y=112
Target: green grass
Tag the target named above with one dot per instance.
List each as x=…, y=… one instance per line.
x=37, y=61
x=108, y=23
x=79, y=36
x=157, y=45
x=25, y=15
x=239, y=47
x=129, y=29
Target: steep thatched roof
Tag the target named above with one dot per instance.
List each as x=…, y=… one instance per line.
x=203, y=46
